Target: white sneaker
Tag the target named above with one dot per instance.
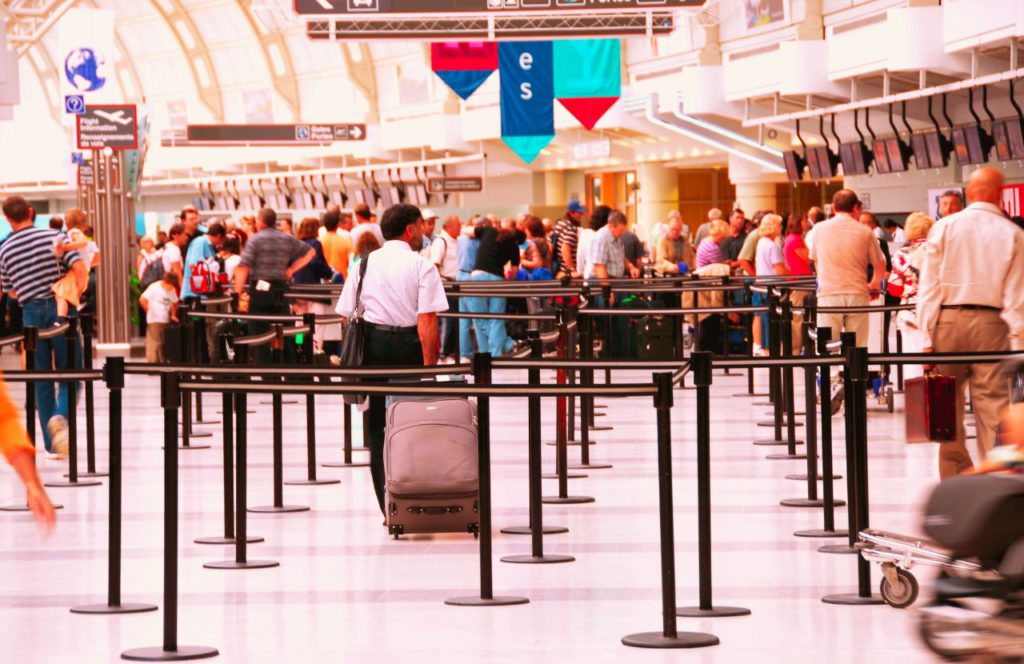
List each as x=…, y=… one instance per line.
x=57, y=427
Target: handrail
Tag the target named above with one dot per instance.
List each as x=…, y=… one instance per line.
x=12, y=340
x=56, y=331
x=431, y=389
x=256, y=339
x=672, y=312
x=305, y=371
x=22, y=376
x=216, y=301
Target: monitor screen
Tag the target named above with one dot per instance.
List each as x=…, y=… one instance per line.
x=852, y=157
x=897, y=164
x=1015, y=134
x=794, y=165
x=1001, y=139
x=937, y=154
x=970, y=145
x=819, y=161
x=881, y=156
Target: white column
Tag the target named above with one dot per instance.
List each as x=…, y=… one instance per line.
x=658, y=195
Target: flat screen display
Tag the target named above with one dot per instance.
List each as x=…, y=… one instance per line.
x=897, y=161
x=794, y=165
x=853, y=157
x=1015, y=134
x=1001, y=140
x=881, y=156
x=821, y=163
x=928, y=150
x=970, y=145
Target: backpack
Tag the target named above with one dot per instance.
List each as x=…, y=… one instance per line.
x=152, y=271
x=205, y=277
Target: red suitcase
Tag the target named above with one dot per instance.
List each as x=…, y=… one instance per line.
x=931, y=408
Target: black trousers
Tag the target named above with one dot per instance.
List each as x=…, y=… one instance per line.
x=383, y=349
x=266, y=302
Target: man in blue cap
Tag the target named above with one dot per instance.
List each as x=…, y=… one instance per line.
x=567, y=229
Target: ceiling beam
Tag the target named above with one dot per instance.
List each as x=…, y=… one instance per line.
x=275, y=51
x=197, y=54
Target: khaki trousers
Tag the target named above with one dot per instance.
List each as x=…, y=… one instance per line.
x=797, y=297
x=859, y=324
x=972, y=330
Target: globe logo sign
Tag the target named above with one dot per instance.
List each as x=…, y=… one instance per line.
x=85, y=69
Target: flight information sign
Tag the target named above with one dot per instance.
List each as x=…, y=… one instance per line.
x=371, y=8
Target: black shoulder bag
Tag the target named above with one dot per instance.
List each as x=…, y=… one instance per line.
x=353, y=342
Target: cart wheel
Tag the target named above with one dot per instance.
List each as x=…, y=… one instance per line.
x=889, y=398
x=903, y=593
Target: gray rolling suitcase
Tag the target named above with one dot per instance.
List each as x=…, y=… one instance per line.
x=431, y=467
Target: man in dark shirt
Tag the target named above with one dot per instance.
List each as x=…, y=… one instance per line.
x=734, y=243
x=568, y=229
x=497, y=249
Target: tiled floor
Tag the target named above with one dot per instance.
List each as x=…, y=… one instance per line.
x=345, y=592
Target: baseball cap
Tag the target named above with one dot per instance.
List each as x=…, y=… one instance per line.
x=576, y=206
x=428, y=214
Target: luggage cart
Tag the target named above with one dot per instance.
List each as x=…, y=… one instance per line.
x=897, y=555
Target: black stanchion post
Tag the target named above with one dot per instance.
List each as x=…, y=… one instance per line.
x=701, y=367
x=277, y=358
x=242, y=537
x=857, y=406
x=482, y=376
x=777, y=400
x=748, y=299
x=899, y=367
x=585, y=378
x=199, y=340
x=782, y=340
x=309, y=320
x=669, y=636
x=88, y=327
x=170, y=651
x=536, y=528
x=824, y=335
x=70, y=339
x=113, y=375
x=561, y=444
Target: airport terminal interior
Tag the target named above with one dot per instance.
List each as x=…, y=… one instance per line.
x=512, y=330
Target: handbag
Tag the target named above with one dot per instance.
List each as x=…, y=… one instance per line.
x=353, y=342
x=931, y=408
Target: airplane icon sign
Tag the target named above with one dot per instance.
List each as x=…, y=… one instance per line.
x=117, y=116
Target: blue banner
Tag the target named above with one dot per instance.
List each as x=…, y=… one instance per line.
x=527, y=96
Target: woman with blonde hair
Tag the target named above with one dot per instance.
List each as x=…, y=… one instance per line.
x=709, y=251
x=902, y=283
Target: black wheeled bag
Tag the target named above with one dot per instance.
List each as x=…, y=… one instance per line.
x=976, y=516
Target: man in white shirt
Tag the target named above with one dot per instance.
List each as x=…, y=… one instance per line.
x=971, y=298
x=177, y=239
x=401, y=297
x=444, y=255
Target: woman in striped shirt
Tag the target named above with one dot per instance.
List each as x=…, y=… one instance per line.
x=710, y=251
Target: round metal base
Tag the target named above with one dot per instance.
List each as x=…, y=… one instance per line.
x=823, y=534
x=785, y=457
x=284, y=402
x=158, y=654
x=191, y=447
x=839, y=549
x=354, y=464
x=771, y=423
x=480, y=601
x=756, y=395
x=248, y=564
x=660, y=641
x=570, y=443
x=71, y=485
x=106, y=609
x=527, y=530
x=568, y=500
x=311, y=482
x=226, y=541
x=805, y=502
x=769, y=442
x=803, y=477
x=764, y=403
x=570, y=476
x=89, y=475
x=283, y=509
x=248, y=412
x=199, y=434
x=24, y=508
x=206, y=422
x=852, y=599
x=601, y=428
x=716, y=612
x=600, y=406
x=546, y=559
x=590, y=466
x=597, y=414
x=796, y=414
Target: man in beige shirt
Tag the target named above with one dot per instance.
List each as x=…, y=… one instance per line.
x=971, y=299
x=842, y=250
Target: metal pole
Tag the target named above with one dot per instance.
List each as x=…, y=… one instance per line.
x=309, y=320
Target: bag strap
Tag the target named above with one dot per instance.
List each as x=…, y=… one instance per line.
x=362, y=276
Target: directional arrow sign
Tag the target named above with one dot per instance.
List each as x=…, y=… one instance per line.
x=371, y=8
x=265, y=134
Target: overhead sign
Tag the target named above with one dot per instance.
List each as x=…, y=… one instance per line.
x=74, y=104
x=86, y=175
x=371, y=8
x=108, y=126
x=274, y=134
x=455, y=185
x=600, y=149
x=77, y=158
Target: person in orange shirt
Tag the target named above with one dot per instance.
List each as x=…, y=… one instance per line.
x=336, y=241
x=16, y=448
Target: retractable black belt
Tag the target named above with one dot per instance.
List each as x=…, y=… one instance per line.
x=392, y=328
x=970, y=307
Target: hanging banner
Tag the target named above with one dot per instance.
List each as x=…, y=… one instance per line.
x=527, y=97
x=86, y=53
x=588, y=77
x=464, y=66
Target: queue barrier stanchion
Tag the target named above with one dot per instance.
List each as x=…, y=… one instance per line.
x=241, y=526
x=113, y=375
x=778, y=400
x=347, y=448
x=170, y=650
x=536, y=530
x=701, y=366
x=561, y=447
x=309, y=320
x=824, y=336
x=782, y=339
x=849, y=342
x=751, y=390
x=192, y=354
x=669, y=636
x=899, y=367
x=482, y=376
x=228, y=428
x=73, y=481
x=276, y=401
x=30, y=339
x=199, y=339
x=586, y=350
x=857, y=402
x=88, y=324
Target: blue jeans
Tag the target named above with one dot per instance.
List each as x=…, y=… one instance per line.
x=465, y=338
x=491, y=335
x=50, y=354
x=761, y=300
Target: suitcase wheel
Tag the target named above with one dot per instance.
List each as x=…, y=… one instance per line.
x=396, y=530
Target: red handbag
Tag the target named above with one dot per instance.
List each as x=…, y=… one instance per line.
x=931, y=408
